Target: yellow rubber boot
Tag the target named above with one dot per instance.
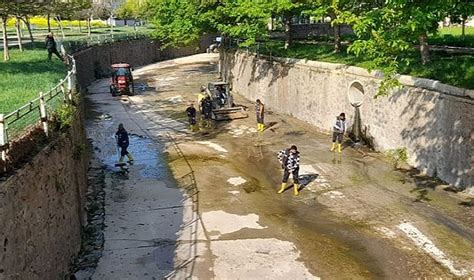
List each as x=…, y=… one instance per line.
x=262, y=127
x=258, y=127
x=130, y=157
x=339, y=148
x=295, y=189
x=333, y=147
x=283, y=187
x=121, y=159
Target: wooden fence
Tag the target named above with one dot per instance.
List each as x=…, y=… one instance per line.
x=38, y=110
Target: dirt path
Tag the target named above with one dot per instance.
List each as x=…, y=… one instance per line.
x=355, y=217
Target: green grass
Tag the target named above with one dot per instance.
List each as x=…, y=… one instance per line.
x=456, y=70
x=456, y=30
x=451, y=36
x=25, y=75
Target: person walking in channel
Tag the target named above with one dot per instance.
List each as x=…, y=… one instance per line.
x=290, y=163
x=122, y=141
x=51, y=46
x=339, y=129
x=202, y=94
x=206, y=107
x=191, y=113
x=260, y=110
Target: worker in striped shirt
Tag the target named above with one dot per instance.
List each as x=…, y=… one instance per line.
x=338, y=131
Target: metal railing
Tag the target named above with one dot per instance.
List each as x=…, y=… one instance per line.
x=74, y=45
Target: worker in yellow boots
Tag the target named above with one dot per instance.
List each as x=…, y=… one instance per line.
x=338, y=131
x=191, y=113
x=290, y=163
x=202, y=94
x=260, y=110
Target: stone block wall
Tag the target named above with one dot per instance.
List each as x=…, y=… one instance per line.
x=41, y=210
x=433, y=121
x=136, y=53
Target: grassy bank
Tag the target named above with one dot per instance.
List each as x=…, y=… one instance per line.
x=456, y=70
x=452, y=36
x=25, y=75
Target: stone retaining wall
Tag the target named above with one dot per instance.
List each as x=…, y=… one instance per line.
x=136, y=53
x=41, y=210
x=433, y=121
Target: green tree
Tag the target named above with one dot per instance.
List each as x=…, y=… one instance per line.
x=459, y=11
x=5, y=11
x=388, y=29
x=131, y=9
x=287, y=9
x=246, y=20
x=176, y=21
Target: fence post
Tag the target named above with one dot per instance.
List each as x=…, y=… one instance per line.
x=43, y=114
x=3, y=131
x=70, y=85
x=3, y=142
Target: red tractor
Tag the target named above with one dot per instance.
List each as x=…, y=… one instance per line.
x=122, y=80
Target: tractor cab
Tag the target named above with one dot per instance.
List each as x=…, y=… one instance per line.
x=223, y=102
x=121, y=80
x=220, y=95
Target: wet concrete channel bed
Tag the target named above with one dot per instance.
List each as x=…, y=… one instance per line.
x=205, y=205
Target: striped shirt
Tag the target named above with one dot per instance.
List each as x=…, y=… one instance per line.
x=288, y=160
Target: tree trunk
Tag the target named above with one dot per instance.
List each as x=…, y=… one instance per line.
x=337, y=38
x=424, y=49
x=18, y=33
x=58, y=19
x=6, y=54
x=49, y=23
x=111, y=26
x=463, y=26
x=26, y=20
x=89, y=27
x=288, y=35
x=80, y=26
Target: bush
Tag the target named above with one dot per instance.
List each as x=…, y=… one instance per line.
x=397, y=156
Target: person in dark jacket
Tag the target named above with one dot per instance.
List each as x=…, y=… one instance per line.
x=191, y=113
x=290, y=162
x=260, y=110
x=338, y=131
x=51, y=46
x=122, y=141
x=206, y=106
